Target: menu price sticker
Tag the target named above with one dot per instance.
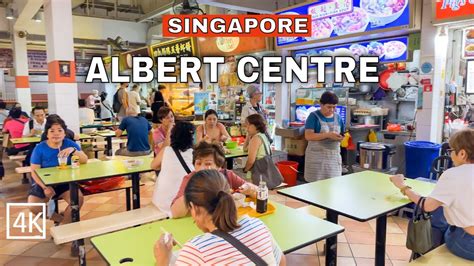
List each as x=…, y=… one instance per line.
x=330, y=9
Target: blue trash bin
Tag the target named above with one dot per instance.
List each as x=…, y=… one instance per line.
x=418, y=157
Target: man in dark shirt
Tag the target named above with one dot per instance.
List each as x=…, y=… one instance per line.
x=138, y=129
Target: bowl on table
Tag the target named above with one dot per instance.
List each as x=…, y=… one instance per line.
x=231, y=145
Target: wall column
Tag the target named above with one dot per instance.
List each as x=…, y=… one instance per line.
x=62, y=88
x=22, y=83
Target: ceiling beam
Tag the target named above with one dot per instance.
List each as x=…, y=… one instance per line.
x=26, y=10
x=167, y=8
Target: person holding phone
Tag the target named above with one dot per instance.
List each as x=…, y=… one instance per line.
x=323, y=131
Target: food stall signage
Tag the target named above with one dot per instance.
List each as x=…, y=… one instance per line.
x=453, y=10
x=127, y=57
x=177, y=48
x=468, y=44
x=303, y=111
x=329, y=9
x=364, y=16
x=388, y=50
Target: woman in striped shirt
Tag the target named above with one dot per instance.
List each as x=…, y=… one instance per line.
x=213, y=209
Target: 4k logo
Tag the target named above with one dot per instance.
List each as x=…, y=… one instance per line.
x=26, y=225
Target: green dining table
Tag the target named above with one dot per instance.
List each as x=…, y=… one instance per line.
x=234, y=153
x=99, y=125
x=291, y=229
x=92, y=171
x=108, y=135
x=32, y=140
x=360, y=196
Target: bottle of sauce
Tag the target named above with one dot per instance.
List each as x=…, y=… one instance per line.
x=75, y=161
x=262, y=196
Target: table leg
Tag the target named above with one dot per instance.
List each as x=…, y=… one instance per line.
x=380, y=237
x=109, y=146
x=75, y=213
x=136, y=190
x=230, y=163
x=25, y=177
x=331, y=243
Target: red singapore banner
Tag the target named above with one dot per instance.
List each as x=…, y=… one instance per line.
x=237, y=25
x=452, y=9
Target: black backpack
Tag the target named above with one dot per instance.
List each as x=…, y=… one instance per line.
x=116, y=103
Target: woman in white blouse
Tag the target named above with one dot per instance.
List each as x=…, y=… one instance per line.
x=454, y=191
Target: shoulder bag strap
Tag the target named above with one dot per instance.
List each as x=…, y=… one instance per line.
x=264, y=143
x=426, y=215
x=181, y=160
x=240, y=247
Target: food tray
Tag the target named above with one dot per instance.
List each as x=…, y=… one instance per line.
x=362, y=112
x=253, y=213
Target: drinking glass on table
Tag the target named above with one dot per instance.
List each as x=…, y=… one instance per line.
x=62, y=162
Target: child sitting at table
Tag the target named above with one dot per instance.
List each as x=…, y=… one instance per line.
x=213, y=210
x=209, y=156
x=454, y=191
x=45, y=155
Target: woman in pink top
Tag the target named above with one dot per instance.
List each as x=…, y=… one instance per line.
x=212, y=130
x=14, y=126
x=161, y=134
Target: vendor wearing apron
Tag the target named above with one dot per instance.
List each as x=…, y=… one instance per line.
x=323, y=132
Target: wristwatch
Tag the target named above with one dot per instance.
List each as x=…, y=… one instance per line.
x=73, y=150
x=404, y=190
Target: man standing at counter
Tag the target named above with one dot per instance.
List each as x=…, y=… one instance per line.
x=323, y=132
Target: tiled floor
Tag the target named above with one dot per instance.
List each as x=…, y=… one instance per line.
x=355, y=245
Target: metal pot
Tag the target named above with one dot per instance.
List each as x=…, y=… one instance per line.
x=372, y=155
x=367, y=120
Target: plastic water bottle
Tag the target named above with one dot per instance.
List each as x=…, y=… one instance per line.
x=262, y=196
x=51, y=206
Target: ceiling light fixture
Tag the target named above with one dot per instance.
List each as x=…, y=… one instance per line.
x=10, y=13
x=38, y=17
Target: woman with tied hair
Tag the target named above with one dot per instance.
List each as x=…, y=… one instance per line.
x=214, y=212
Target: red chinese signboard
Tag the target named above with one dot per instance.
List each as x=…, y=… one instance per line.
x=453, y=10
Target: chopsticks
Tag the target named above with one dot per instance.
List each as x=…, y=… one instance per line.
x=167, y=237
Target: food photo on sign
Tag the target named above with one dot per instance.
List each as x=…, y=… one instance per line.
x=340, y=18
x=468, y=45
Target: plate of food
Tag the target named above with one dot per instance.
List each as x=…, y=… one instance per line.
x=321, y=28
x=394, y=49
x=469, y=50
x=376, y=49
x=353, y=22
x=358, y=50
x=383, y=12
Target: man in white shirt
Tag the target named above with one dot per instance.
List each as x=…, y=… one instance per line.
x=93, y=102
x=134, y=99
x=35, y=126
x=86, y=116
